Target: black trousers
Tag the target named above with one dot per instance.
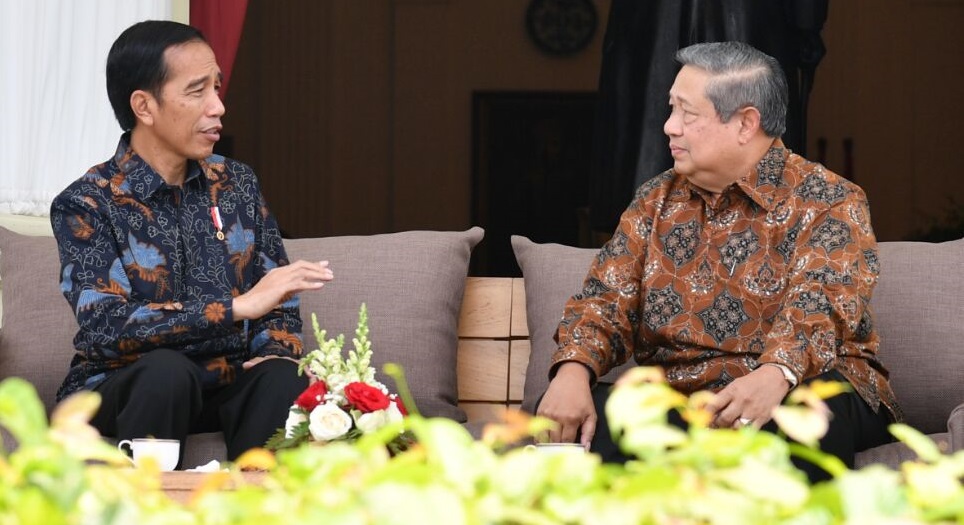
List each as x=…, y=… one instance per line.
x=160, y=395
x=853, y=427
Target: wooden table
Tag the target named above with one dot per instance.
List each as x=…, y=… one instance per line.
x=179, y=485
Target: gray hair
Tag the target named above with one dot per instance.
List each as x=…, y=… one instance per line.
x=741, y=76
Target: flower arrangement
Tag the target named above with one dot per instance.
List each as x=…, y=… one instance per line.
x=344, y=400
x=65, y=473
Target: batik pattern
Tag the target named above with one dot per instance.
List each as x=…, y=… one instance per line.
x=143, y=267
x=780, y=270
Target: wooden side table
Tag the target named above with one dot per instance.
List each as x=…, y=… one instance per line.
x=179, y=485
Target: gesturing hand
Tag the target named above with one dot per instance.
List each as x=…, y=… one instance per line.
x=750, y=398
x=279, y=285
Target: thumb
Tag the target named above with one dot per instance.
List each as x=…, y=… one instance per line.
x=587, y=430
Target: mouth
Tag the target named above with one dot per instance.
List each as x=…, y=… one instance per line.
x=213, y=133
x=676, y=150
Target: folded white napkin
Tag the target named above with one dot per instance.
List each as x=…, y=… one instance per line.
x=210, y=466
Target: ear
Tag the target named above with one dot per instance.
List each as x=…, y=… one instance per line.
x=749, y=123
x=143, y=106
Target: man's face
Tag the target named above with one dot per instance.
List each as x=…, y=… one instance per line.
x=704, y=148
x=187, y=119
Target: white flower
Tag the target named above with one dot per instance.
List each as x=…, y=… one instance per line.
x=336, y=385
x=373, y=421
x=328, y=422
x=296, y=416
x=394, y=414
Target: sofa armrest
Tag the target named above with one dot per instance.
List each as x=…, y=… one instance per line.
x=955, y=429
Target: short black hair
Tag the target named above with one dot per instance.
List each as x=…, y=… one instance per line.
x=136, y=61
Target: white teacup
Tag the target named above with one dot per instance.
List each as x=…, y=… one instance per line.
x=557, y=448
x=164, y=451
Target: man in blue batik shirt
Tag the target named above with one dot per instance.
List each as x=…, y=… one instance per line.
x=174, y=267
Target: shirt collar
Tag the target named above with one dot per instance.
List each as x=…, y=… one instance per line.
x=765, y=184
x=139, y=178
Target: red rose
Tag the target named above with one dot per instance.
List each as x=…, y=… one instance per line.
x=313, y=396
x=400, y=405
x=365, y=397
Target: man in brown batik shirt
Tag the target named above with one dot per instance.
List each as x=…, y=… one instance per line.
x=745, y=270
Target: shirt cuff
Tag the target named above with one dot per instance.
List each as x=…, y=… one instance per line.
x=555, y=367
x=787, y=373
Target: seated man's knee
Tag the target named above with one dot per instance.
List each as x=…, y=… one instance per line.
x=168, y=370
x=279, y=374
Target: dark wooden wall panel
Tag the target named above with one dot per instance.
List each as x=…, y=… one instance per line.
x=310, y=108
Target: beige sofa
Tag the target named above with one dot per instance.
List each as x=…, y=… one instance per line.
x=472, y=347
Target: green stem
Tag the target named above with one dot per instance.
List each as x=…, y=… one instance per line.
x=395, y=372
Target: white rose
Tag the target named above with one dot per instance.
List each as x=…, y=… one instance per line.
x=394, y=414
x=295, y=418
x=375, y=420
x=371, y=421
x=328, y=422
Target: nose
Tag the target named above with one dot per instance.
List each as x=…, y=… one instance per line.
x=215, y=106
x=672, y=125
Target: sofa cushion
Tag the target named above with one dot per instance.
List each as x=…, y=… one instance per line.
x=552, y=273
x=919, y=312
x=37, y=332
x=412, y=283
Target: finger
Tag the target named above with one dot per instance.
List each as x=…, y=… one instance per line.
x=318, y=275
x=758, y=422
x=568, y=433
x=719, y=402
x=728, y=417
x=551, y=434
x=308, y=270
x=320, y=266
x=247, y=365
x=718, y=420
x=587, y=431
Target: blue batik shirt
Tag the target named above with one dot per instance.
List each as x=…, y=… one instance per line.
x=147, y=265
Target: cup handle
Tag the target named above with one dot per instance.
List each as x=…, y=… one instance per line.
x=130, y=445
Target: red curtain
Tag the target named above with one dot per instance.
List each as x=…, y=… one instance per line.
x=221, y=21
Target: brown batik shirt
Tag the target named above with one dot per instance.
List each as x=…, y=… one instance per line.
x=779, y=270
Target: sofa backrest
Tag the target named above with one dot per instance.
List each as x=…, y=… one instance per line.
x=37, y=332
x=919, y=308
x=412, y=283
x=919, y=311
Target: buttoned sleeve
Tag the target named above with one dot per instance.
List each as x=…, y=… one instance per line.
x=825, y=314
x=599, y=325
